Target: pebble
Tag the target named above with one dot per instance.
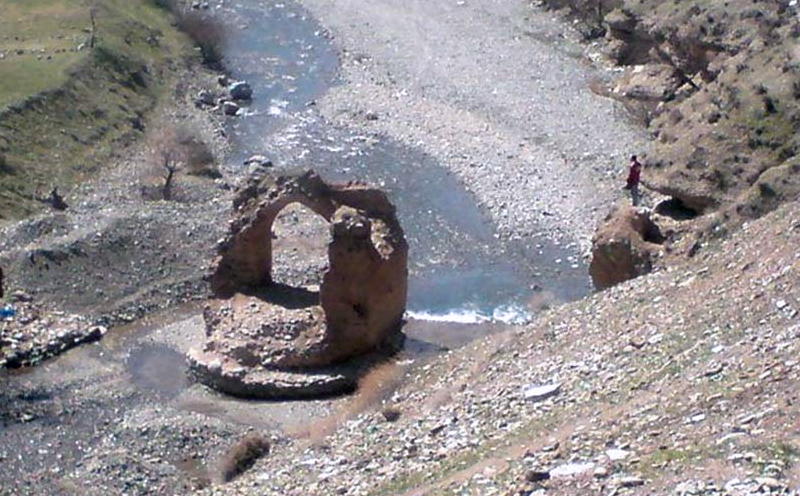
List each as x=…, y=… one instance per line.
x=538, y=393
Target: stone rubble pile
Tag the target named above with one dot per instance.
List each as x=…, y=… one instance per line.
x=29, y=333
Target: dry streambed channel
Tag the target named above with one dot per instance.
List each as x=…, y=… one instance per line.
x=122, y=412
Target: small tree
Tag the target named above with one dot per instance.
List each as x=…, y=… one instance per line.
x=167, y=155
x=176, y=149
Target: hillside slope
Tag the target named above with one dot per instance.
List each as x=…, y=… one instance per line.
x=684, y=380
x=67, y=108
x=719, y=85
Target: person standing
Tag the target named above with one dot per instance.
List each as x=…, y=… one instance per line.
x=634, y=178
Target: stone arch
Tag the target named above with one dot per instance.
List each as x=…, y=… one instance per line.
x=251, y=336
x=246, y=258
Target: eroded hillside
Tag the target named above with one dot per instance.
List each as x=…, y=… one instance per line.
x=718, y=84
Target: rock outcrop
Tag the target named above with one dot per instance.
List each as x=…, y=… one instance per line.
x=624, y=247
x=271, y=340
x=718, y=84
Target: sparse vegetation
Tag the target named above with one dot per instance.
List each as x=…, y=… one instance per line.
x=242, y=456
x=391, y=413
x=206, y=31
x=173, y=150
x=208, y=34
x=65, y=108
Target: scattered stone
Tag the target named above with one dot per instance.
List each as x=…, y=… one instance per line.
x=537, y=475
x=230, y=108
x=205, y=97
x=240, y=90
x=630, y=481
x=572, y=469
x=616, y=454
x=770, y=482
x=259, y=160
x=538, y=393
x=19, y=296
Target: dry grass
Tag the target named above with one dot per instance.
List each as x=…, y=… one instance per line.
x=242, y=456
x=206, y=32
x=375, y=386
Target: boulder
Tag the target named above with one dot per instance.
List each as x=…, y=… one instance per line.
x=240, y=90
x=269, y=340
x=205, y=97
x=651, y=83
x=230, y=108
x=259, y=160
x=624, y=247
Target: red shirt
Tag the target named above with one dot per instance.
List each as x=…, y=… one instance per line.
x=635, y=173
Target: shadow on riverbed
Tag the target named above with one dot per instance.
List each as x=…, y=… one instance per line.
x=286, y=296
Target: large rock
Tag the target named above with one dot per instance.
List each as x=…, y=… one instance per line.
x=624, y=247
x=269, y=340
x=240, y=90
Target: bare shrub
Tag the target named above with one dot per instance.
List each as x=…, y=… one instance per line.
x=206, y=32
x=172, y=150
x=242, y=456
x=391, y=413
x=167, y=157
x=200, y=160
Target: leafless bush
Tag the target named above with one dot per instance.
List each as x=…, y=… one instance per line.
x=205, y=31
x=391, y=413
x=167, y=156
x=242, y=456
x=171, y=151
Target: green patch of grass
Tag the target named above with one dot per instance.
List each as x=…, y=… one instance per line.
x=30, y=32
x=23, y=76
x=65, y=118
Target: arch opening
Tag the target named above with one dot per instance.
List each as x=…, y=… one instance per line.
x=299, y=238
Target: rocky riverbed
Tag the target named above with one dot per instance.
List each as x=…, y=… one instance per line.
x=478, y=119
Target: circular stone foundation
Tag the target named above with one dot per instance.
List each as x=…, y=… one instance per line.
x=266, y=340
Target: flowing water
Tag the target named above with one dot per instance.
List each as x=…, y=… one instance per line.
x=459, y=270
x=464, y=281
